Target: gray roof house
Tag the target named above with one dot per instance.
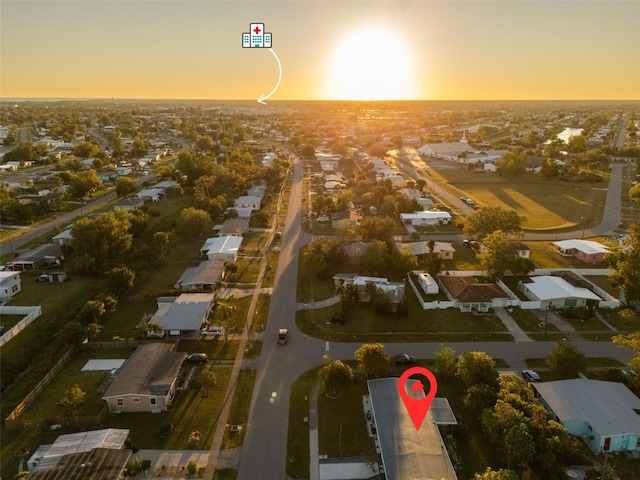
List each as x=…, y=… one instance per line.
x=146, y=382
x=606, y=414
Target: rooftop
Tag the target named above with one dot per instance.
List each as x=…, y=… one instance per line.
x=587, y=247
x=549, y=287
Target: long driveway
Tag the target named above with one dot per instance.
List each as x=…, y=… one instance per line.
x=264, y=450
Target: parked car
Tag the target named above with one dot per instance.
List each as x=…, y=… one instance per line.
x=531, y=376
x=197, y=358
x=404, y=358
x=466, y=243
x=283, y=336
x=43, y=278
x=213, y=331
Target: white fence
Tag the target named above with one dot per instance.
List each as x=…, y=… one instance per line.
x=31, y=314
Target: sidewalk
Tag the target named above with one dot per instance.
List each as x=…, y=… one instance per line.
x=512, y=326
x=319, y=304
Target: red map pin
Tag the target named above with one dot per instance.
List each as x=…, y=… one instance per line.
x=417, y=403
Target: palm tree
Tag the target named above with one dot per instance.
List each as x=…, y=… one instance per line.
x=335, y=376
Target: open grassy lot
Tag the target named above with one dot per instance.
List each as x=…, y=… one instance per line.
x=620, y=323
x=463, y=259
x=248, y=269
x=546, y=204
x=420, y=325
x=602, y=281
x=253, y=243
x=45, y=409
x=529, y=322
x=595, y=362
x=191, y=412
x=342, y=428
x=239, y=412
x=298, y=429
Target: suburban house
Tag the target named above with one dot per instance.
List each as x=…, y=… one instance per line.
x=221, y=248
x=63, y=238
x=147, y=380
x=123, y=171
x=45, y=254
x=242, y=213
x=406, y=451
x=248, y=201
x=153, y=194
x=557, y=292
x=56, y=457
x=393, y=292
x=10, y=284
x=587, y=251
x=184, y=315
x=203, y=277
x=520, y=250
x=470, y=295
x=129, y=204
x=350, y=215
x=234, y=227
x=444, y=250
x=426, y=218
x=428, y=284
x=605, y=414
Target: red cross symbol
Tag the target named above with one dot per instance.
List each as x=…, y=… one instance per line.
x=256, y=30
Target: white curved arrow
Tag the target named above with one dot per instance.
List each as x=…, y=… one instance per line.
x=264, y=97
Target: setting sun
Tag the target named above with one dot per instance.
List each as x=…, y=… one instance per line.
x=371, y=64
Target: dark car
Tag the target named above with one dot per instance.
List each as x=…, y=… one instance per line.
x=404, y=358
x=197, y=358
x=530, y=376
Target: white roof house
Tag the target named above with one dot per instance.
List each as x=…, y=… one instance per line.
x=248, y=201
x=221, y=248
x=559, y=293
x=186, y=313
x=585, y=246
x=10, y=284
x=605, y=413
x=426, y=218
x=63, y=238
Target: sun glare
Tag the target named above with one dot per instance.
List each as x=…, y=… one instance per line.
x=371, y=64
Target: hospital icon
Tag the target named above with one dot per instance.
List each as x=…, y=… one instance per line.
x=256, y=37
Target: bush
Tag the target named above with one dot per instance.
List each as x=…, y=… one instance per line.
x=133, y=467
x=146, y=465
x=192, y=467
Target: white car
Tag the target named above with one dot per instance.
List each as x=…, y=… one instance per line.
x=213, y=331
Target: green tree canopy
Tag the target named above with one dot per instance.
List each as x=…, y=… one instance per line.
x=334, y=377
x=501, y=474
x=125, y=186
x=83, y=183
x=496, y=254
x=120, y=280
x=373, y=359
x=481, y=223
x=86, y=150
x=477, y=367
x=103, y=243
x=632, y=341
x=376, y=228
x=446, y=364
x=513, y=163
x=73, y=400
x=566, y=361
x=192, y=221
x=625, y=266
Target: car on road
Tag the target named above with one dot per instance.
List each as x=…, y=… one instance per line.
x=283, y=336
x=531, y=376
x=214, y=331
x=197, y=358
x=466, y=243
x=404, y=359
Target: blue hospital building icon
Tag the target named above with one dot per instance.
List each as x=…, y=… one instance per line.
x=256, y=37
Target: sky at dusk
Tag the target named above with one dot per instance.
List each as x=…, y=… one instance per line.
x=431, y=50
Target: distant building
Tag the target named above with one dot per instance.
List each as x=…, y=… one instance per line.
x=10, y=284
x=426, y=218
x=221, y=248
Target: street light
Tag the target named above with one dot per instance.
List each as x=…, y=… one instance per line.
x=584, y=225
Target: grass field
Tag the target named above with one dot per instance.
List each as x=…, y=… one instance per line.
x=239, y=412
x=298, y=428
x=420, y=325
x=546, y=204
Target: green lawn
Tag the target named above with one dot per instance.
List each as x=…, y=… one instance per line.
x=342, y=429
x=248, y=269
x=261, y=313
x=621, y=324
x=239, y=412
x=463, y=259
x=216, y=349
x=298, y=428
x=602, y=281
x=225, y=474
x=595, y=362
x=421, y=325
x=270, y=272
x=529, y=322
x=546, y=204
x=190, y=412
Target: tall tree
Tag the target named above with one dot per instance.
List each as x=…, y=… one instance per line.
x=120, y=280
x=513, y=163
x=334, y=377
x=566, y=361
x=632, y=341
x=125, y=186
x=477, y=367
x=501, y=474
x=481, y=223
x=495, y=255
x=376, y=228
x=625, y=266
x=446, y=363
x=373, y=359
x=73, y=400
x=103, y=243
x=83, y=184
x=192, y=221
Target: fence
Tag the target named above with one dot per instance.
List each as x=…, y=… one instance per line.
x=31, y=312
x=13, y=421
x=114, y=345
x=83, y=422
x=429, y=305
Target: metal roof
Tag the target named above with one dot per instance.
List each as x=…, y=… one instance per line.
x=406, y=452
x=609, y=407
x=547, y=287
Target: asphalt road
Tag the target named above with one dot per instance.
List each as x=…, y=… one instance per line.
x=265, y=445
